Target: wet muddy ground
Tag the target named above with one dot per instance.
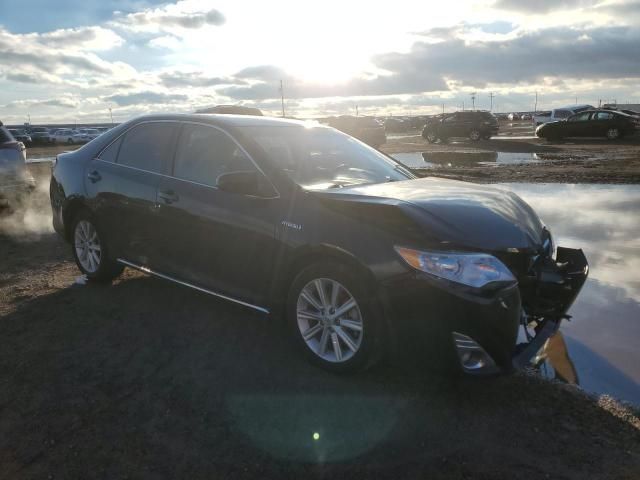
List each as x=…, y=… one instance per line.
x=531, y=160
x=145, y=379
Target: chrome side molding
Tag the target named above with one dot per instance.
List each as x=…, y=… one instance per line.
x=190, y=285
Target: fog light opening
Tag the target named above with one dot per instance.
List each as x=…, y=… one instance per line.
x=472, y=356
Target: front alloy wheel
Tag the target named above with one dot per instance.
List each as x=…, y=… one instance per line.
x=334, y=318
x=475, y=135
x=329, y=320
x=613, y=133
x=431, y=137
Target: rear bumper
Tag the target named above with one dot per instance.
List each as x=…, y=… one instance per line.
x=433, y=315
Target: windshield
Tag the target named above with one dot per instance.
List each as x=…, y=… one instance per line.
x=320, y=158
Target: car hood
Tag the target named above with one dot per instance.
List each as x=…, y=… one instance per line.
x=454, y=214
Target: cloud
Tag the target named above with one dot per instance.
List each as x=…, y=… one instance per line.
x=267, y=83
x=63, y=102
x=170, y=17
x=46, y=55
x=583, y=53
x=147, y=97
x=86, y=38
x=542, y=6
x=194, y=79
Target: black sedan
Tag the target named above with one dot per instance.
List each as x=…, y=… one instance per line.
x=305, y=223
x=591, y=123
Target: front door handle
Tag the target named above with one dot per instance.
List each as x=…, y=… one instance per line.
x=169, y=196
x=94, y=176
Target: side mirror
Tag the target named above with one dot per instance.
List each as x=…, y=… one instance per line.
x=242, y=182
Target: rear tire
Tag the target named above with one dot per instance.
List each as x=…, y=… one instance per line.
x=475, y=135
x=347, y=342
x=90, y=250
x=431, y=137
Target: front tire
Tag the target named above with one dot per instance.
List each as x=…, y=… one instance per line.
x=475, y=135
x=90, y=250
x=332, y=318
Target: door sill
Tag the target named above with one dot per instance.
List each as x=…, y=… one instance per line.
x=190, y=285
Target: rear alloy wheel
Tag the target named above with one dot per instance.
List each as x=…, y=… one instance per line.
x=91, y=252
x=475, y=135
x=331, y=319
x=613, y=133
x=431, y=137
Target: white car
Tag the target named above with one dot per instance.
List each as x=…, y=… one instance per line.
x=66, y=135
x=88, y=134
x=558, y=114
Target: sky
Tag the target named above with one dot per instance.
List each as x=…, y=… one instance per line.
x=85, y=61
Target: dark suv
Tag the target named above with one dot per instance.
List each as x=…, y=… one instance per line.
x=307, y=223
x=472, y=124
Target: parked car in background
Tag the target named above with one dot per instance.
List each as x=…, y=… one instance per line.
x=513, y=116
x=353, y=250
x=87, y=134
x=591, y=123
x=41, y=136
x=559, y=114
x=397, y=125
x=474, y=124
x=15, y=180
x=231, y=110
x=66, y=135
x=367, y=129
x=21, y=136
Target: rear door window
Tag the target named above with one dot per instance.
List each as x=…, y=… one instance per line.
x=148, y=146
x=604, y=116
x=204, y=153
x=562, y=113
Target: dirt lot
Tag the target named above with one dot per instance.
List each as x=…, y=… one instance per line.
x=145, y=379
x=583, y=161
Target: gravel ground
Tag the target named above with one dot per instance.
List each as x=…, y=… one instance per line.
x=145, y=379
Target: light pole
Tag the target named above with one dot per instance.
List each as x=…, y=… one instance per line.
x=282, y=97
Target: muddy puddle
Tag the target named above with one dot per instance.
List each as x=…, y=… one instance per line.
x=598, y=349
x=467, y=159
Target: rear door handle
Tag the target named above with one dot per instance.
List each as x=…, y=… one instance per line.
x=169, y=196
x=94, y=176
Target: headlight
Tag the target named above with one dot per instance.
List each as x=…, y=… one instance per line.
x=472, y=269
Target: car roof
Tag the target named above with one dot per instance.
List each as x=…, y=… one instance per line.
x=574, y=107
x=226, y=120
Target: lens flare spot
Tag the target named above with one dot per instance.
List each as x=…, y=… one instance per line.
x=316, y=436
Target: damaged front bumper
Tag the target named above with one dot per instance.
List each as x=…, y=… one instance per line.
x=548, y=293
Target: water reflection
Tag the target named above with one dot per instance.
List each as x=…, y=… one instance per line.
x=466, y=159
x=602, y=339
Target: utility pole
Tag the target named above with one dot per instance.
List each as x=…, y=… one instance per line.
x=282, y=97
x=535, y=107
x=491, y=95
x=463, y=105
x=443, y=108
x=473, y=101
x=357, y=110
x=111, y=115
